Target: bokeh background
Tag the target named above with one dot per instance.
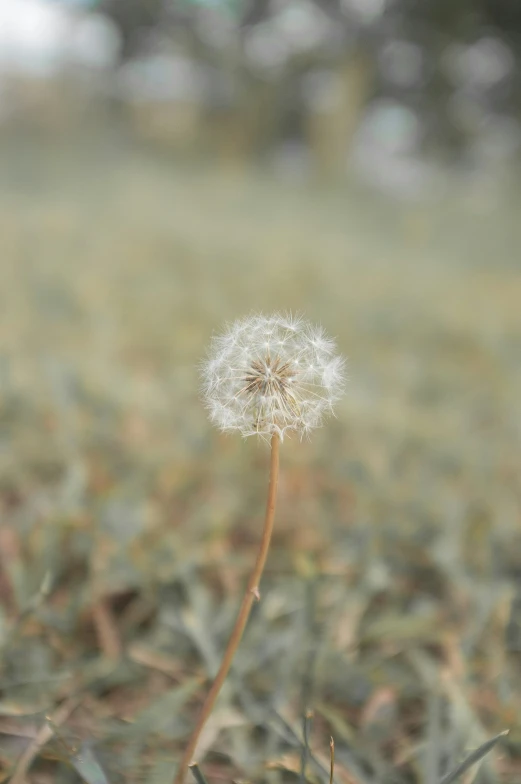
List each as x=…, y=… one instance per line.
x=167, y=166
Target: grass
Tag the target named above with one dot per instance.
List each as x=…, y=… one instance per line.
x=391, y=604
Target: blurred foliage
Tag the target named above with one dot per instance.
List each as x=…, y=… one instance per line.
x=301, y=35
x=403, y=93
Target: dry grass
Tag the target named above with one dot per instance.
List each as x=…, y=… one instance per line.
x=391, y=603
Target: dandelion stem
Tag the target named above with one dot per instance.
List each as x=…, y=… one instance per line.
x=251, y=595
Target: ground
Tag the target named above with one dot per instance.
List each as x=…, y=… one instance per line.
x=390, y=611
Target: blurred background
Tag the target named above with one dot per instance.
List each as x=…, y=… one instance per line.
x=170, y=165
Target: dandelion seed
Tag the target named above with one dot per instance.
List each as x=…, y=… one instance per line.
x=271, y=374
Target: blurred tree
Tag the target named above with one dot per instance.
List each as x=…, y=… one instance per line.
x=135, y=19
x=283, y=74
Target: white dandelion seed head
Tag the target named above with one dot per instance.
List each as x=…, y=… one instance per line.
x=271, y=374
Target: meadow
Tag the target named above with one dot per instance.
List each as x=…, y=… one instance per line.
x=390, y=616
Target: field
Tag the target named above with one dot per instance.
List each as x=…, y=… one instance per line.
x=390, y=616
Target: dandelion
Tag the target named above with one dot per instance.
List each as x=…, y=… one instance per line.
x=267, y=376
x=271, y=374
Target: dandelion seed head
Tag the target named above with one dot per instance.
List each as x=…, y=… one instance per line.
x=271, y=374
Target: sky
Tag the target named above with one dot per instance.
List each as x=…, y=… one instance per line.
x=39, y=36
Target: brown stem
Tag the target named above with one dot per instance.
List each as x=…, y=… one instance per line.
x=252, y=594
